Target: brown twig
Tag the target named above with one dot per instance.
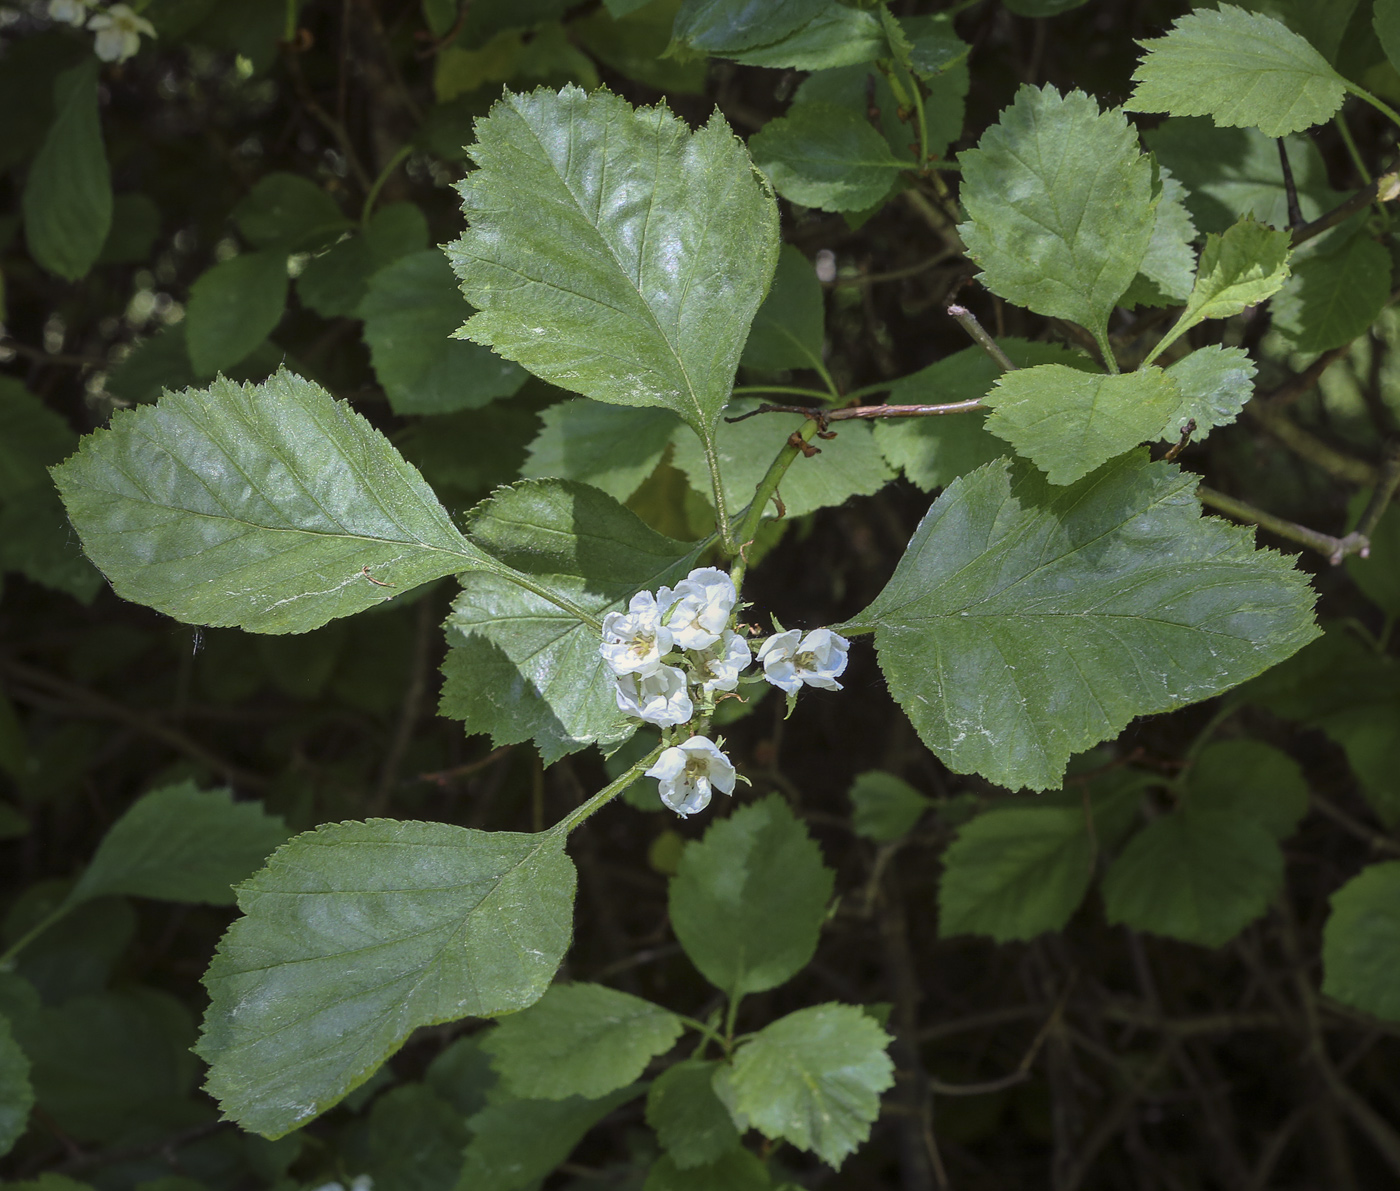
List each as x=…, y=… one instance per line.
x=1304, y=382
x=825, y=416
x=1335, y=549
x=969, y=323
x=1339, y=465
x=1384, y=189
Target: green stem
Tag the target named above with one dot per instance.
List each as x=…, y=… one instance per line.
x=289, y=29
x=7, y=959
x=745, y=390
x=748, y=528
x=604, y=796
x=1361, y=93
x=730, y=1017
x=726, y=532
x=1352, y=150
x=706, y=1031
x=390, y=166
x=1335, y=549
x=1204, y=735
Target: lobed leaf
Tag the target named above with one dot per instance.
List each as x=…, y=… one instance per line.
x=1168, y=269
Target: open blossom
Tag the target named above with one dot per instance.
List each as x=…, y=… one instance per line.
x=718, y=667
x=70, y=12
x=119, y=33
x=659, y=697
x=697, y=609
x=634, y=642
x=689, y=772
x=789, y=659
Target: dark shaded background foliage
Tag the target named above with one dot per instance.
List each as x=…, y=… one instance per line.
x=1157, y=1065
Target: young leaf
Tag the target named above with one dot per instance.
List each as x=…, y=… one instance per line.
x=1060, y=206
x=233, y=307
x=1200, y=876
x=353, y=936
x=288, y=210
x=813, y=1079
x=68, y=193
x=264, y=506
x=181, y=844
x=692, y=1125
x=1333, y=297
x=789, y=329
x=1250, y=779
x=1361, y=941
x=1015, y=872
x=524, y=663
x=1069, y=422
x=517, y=1142
x=16, y=1092
x=736, y=1170
x=825, y=156
x=1026, y=622
x=579, y=1040
x=411, y=309
x=1240, y=68
x=611, y=447
x=661, y=244
x=1214, y=383
x=885, y=807
x=749, y=899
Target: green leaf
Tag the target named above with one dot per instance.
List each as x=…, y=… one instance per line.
x=613, y=448
x=789, y=329
x=634, y=46
x=1332, y=298
x=1239, y=68
x=1385, y=19
x=825, y=156
x=1200, y=876
x=68, y=193
x=415, y=1140
x=233, y=307
x=1070, y=422
x=749, y=899
x=261, y=506
x=1111, y=598
x=336, y=282
x=1041, y=8
x=135, y=226
x=1016, y=872
x=1361, y=942
x=1168, y=270
x=16, y=1092
x=353, y=936
x=411, y=310
x=661, y=244
x=288, y=210
x=885, y=807
x=837, y=36
x=813, y=1079
x=738, y=1170
x=849, y=464
x=34, y=439
x=1250, y=779
x=934, y=46
x=524, y=663
x=692, y=1125
x=722, y=26
x=518, y=1142
x=462, y=1075
x=183, y=844
x=1377, y=574
x=36, y=541
x=579, y=1040
x=1060, y=206
x=1214, y=382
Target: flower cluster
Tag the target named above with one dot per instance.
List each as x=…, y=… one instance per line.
x=676, y=648
x=118, y=28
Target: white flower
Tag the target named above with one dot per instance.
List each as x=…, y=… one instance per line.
x=690, y=772
x=70, y=12
x=816, y=659
x=635, y=642
x=119, y=33
x=659, y=697
x=718, y=667
x=697, y=609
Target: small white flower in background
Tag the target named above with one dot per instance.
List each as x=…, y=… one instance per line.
x=718, y=667
x=659, y=697
x=119, y=33
x=689, y=772
x=789, y=659
x=697, y=609
x=70, y=12
x=634, y=642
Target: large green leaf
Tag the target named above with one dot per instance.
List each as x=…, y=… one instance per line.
x=825, y=156
x=1361, y=942
x=1016, y=872
x=611, y=447
x=1169, y=268
x=416, y=1140
x=659, y=244
x=813, y=1079
x=353, y=936
x=691, y=1123
x=1241, y=69
x=1027, y=622
x=265, y=506
x=1060, y=206
x=748, y=900
x=789, y=329
x=839, y=35
x=579, y=1040
x=68, y=193
x=1069, y=422
x=411, y=310
x=885, y=807
x=521, y=665
x=182, y=844
x=233, y=307
x=16, y=1093
x=1333, y=297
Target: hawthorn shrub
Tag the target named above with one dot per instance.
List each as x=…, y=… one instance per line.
x=890, y=503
